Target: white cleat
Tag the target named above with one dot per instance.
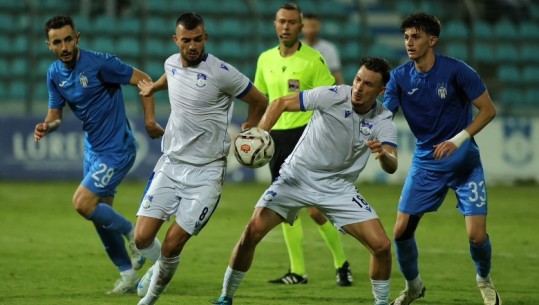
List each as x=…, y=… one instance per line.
x=144, y=283
x=489, y=293
x=126, y=284
x=407, y=297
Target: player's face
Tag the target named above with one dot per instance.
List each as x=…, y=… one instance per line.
x=311, y=29
x=64, y=43
x=191, y=44
x=418, y=43
x=288, y=26
x=366, y=88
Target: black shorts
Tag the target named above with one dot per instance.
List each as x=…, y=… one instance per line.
x=285, y=141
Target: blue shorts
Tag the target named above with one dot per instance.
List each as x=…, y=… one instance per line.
x=104, y=172
x=425, y=190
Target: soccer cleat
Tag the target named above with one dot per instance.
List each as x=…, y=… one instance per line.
x=344, y=275
x=406, y=297
x=489, y=293
x=144, y=283
x=137, y=260
x=223, y=300
x=290, y=279
x=126, y=284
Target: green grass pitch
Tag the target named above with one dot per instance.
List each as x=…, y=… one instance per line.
x=50, y=255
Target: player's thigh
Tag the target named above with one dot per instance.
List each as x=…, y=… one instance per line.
x=199, y=196
x=370, y=233
x=345, y=206
x=161, y=199
x=423, y=191
x=471, y=192
x=284, y=199
x=104, y=172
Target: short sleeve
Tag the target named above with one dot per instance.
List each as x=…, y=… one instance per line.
x=320, y=98
x=115, y=71
x=56, y=101
x=391, y=96
x=260, y=82
x=230, y=80
x=321, y=74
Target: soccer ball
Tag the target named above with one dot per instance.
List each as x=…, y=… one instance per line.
x=253, y=147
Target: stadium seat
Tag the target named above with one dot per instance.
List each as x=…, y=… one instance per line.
x=455, y=29
x=156, y=25
x=406, y=7
x=104, y=44
x=351, y=51
x=529, y=30
x=529, y=53
x=352, y=30
x=506, y=30
x=6, y=22
x=4, y=69
x=482, y=30
x=457, y=50
x=17, y=89
x=128, y=47
x=226, y=28
x=129, y=26
x=19, y=67
x=484, y=52
x=509, y=74
x=530, y=75
x=532, y=97
x=507, y=52
x=154, y=68
x=103, y=25
x=5, y=44
x=510, y=96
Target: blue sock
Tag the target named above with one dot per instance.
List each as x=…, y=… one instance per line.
x=106, y=216
x=407, y=258
x=115, y=247
x=481, y=255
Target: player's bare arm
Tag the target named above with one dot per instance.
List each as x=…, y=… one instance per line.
x=147, y=87
x=50, y=124
x=385, y=154
x=258, y=103
x=153, y=129
x=486, y=114
x=277, y=107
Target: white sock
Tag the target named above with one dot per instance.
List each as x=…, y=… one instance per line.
x=479, y=278
x=415, y=284
x=163, y=271
x=380, y=290
x=128, y=273
x=231, y=281
x=153, y=251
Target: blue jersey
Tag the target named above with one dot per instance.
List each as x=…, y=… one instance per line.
x=437, y=105
x=93, y=92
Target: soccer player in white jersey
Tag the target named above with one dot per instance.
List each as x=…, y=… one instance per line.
x=350, y=120
x=187, y=180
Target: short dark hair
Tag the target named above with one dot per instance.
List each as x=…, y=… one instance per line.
x=190, y=20
x=378, y=65
x=291, y=6
x=423, y=22
x=58, y=22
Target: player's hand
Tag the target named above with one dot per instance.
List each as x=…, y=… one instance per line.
x=376, y=148
x=444, y=149
x=154, y=130
x=40, y=131
x=145, y=87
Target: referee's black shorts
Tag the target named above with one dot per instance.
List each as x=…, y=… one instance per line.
x=285, y=141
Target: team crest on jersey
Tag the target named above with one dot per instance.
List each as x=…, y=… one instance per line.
x=365, y=128
x=83, y=80
x=441, y=88
x=269, y=195
x=147, y=201
x=293, y=85
x=201, y=80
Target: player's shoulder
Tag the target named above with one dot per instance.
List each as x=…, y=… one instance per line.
x=269, y=53
x=382, y=112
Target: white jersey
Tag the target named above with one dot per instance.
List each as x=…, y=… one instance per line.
x=201, y=109
x=330, y=53
x=333, y=148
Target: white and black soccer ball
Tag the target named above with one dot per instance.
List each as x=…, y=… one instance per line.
x=253, y=147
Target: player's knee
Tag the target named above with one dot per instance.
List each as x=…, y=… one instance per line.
x=143, y=242
x=477, y=238
x=382, y=248
x=406, y=229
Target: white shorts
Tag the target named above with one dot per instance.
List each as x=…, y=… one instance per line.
x=189, y=192
x=342, y=206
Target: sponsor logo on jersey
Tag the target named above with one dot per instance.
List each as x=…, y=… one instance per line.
x=201, y=80
x=413, y=91
x=147, y=201
x=62, y=83
x=441, y=89
x=83, y=80
x=224, y=67
x=293, y=85
x=269, y=195
x=333, y=89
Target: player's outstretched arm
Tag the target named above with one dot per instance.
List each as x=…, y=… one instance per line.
x=385, y=154
x=153, y=129
x=258, y=103
x=277, y=107
x=50, y=124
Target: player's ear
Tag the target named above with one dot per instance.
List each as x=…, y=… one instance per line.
x=433, y=41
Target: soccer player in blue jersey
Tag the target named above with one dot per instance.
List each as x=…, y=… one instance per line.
x=90, y=84
x=436, y=94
